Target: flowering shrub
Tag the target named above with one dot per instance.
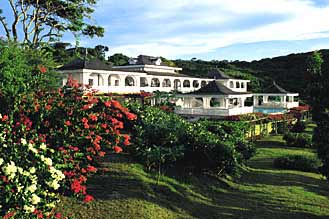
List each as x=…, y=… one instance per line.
x=82, y=126
x=61, y=136
x=29, y=180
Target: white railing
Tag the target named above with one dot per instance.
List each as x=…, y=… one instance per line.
x=213, y=111
x=286, y=105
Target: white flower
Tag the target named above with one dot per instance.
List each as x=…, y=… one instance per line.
x=29, y=208
x=32, y=188
x=43, y=146
x=48, y=161
x=32, y=148
x=1, y=161
x=10, y=170
x=32, y=170
x=35, y=199
x=23, y=141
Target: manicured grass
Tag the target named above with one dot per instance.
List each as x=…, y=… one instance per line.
x=263, y=192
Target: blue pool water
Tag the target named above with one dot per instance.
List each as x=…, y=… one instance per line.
x=270, y=110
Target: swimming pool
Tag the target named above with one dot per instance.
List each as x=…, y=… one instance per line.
x=269, y=110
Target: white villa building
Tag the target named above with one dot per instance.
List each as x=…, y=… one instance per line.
x=220, y=95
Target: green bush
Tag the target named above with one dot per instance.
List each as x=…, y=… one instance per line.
x=298, y=162
x=24, y=71
x=299, y=127
x=157, y=136
x=163, y=138
x=205, y=151
x=234, y=134
x=301, y=140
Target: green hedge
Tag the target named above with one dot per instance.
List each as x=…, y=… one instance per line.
x=301, y=140
x=298, y=162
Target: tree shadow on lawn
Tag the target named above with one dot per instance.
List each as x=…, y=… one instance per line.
x=197, y=198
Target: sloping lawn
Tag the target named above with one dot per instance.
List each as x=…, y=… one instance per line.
x=263, y=192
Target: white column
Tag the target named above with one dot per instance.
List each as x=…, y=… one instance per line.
x=206, y=102
x=122, y=80
x=242, y=99
x=138, y=79
x=226, y=103
x=255, y=100
x=265, y=99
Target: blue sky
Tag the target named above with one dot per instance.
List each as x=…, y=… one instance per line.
x=211, y=29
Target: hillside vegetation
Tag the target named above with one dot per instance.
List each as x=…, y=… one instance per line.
x=128, y=191
x=289, y=71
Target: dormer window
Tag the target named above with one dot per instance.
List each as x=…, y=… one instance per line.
x=158, y=61
x=132, y=61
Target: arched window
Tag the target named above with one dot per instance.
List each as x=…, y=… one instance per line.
x=237, y=84
x=143, y=82
x=196, y=83
x=186, y=83
x=129, y=81
x=231, y=84
x=155, y=82
x=166, y=83
x=177, y=84
x=97, y=78
x=113, y=80
x=242, y=84
x=203, y=83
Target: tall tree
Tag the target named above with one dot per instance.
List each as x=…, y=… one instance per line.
x=118, y=59
x=37, y=21
x=319, y=100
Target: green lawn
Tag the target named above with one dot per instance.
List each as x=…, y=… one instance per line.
x=263, y=192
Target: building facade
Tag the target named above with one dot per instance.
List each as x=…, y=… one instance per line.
x=216, y=95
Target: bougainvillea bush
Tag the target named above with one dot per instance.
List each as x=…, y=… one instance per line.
x=53, y=142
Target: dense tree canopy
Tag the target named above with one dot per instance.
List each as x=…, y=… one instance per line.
x=319, y=99
x=36, y=21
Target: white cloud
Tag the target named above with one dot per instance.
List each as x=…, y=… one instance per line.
x=302, y=20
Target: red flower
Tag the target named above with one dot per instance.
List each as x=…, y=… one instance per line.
x=84, y=120
x=76, y=186
x=131, y=116
x=107, y=103
x=58, y=215
x=126, y=141
x=48, y=107
x=9, y=215
x=104, y=126
x=93, y=117
x=91, y=169
x=101, y=153
x=88, y=198
x=68, y=123
x=4, y=118
x=42, y=68
x=117, y=149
